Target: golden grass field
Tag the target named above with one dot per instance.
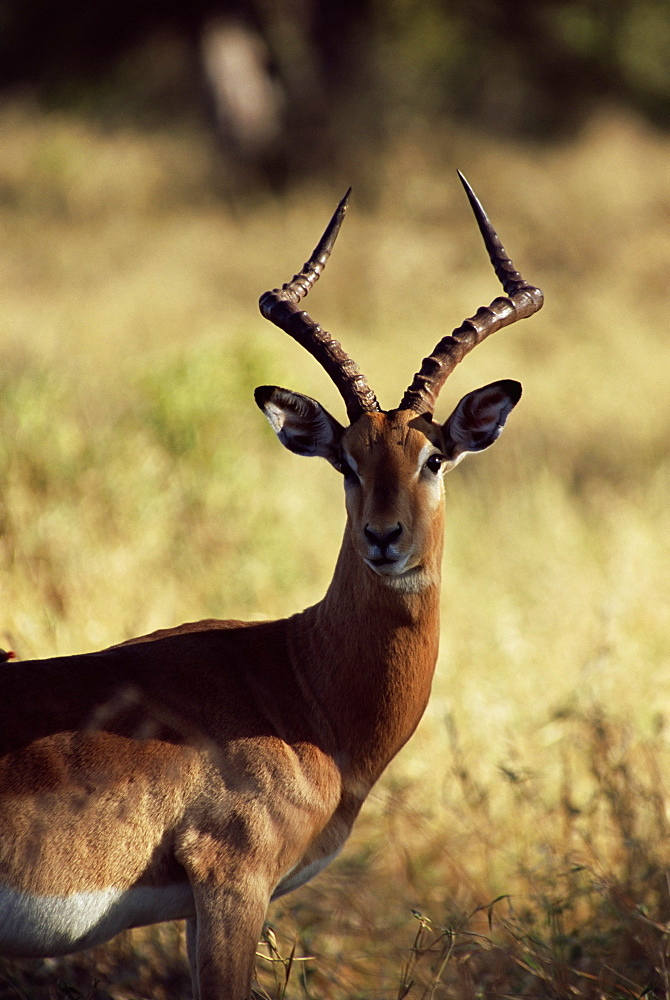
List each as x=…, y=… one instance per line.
x=140, y=487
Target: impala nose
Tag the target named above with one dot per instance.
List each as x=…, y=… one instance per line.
x=383, y=538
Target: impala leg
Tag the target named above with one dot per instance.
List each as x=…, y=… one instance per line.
x=191, y=952
x=222, y=942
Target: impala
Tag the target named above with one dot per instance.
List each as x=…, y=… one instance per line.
x=201, y=771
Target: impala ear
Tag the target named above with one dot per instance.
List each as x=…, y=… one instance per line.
x=301, y=424
x=479, y=418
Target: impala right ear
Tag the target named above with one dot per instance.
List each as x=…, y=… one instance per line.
x=301, y=424
x=479, y=418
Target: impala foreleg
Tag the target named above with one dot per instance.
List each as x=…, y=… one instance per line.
x=223, y=937
x=192, y=953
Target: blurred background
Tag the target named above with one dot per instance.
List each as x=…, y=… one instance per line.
x=292, y=90
x=163, y=164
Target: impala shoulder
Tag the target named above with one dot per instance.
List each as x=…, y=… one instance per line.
x=186, y=628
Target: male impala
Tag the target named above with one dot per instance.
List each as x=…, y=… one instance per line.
x=201, y=771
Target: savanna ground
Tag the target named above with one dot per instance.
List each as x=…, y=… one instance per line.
x=519, y=845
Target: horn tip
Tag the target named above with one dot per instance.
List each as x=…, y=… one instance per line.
x=342, y=207
x=472, y=197
x=464, y=181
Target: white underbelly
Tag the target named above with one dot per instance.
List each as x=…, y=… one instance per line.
x=35, y=926
x=299, y=875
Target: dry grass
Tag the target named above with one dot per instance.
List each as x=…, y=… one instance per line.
x=135, y=473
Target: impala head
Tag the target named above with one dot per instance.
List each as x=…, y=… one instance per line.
x=393, y=461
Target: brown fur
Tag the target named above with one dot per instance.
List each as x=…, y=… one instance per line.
x=200, y=771
x=227, y=753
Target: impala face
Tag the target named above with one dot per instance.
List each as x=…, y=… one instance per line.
x=392, y=464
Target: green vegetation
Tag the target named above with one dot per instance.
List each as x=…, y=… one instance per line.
x=526, y=823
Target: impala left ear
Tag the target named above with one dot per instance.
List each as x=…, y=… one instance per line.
x=301, y=424
x=479, y=418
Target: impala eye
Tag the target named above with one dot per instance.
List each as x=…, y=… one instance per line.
x=434, y=463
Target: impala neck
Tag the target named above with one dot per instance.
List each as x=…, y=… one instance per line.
x=366, y=655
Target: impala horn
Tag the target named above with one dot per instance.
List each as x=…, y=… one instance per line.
x=520, y=301
x=280, y=306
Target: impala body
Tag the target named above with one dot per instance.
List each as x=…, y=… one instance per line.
x=201, y=771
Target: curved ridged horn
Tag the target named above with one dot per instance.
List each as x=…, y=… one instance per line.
x=521, y=300
x=280, y=306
